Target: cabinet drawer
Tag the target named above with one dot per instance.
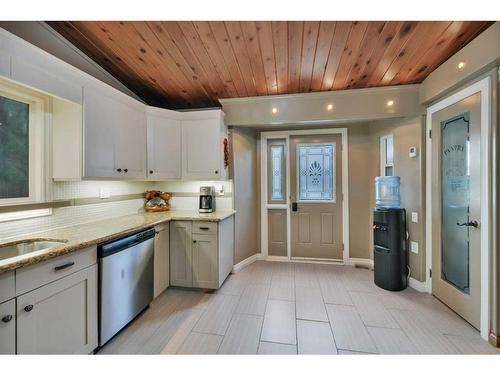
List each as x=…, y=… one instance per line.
x=8, y=327
x=201, y=227
x=32, y=277
x=7, y=286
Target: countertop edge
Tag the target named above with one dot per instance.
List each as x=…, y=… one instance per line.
x=34, y=258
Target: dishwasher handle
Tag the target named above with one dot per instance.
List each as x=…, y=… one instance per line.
x=112, y=247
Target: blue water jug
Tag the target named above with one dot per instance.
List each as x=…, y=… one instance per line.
x=387, y=191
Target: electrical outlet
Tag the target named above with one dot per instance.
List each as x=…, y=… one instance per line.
x=414, y=217
x=104, y=193
x=219, y=189
x=414, y=247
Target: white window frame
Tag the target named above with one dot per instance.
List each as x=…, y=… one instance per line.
x=383, y=153
x=38, y=109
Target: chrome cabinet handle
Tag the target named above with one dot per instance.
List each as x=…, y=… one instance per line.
x=472, y=223
x=28, y=308
x=63, y=266
x=7, y=318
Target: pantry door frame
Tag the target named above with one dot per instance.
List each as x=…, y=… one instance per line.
x=484, y=87
x=269, y=135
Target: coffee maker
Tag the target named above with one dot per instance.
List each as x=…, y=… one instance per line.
x=207, y=199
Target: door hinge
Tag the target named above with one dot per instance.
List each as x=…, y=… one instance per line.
x=430, y=272
x=430, y=134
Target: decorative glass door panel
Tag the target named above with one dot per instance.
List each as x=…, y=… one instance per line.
x=455, y=201
x=316, y=164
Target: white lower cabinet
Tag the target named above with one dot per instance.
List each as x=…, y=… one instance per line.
x=161, y=259
x=51, y=307
x=205, y=261
x=60, y=317
x=181, y=272
x=201, y=255
x=8, y=327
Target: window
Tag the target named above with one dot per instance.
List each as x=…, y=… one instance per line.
x=316, y=171
x=14, y=148
x=22, y=153
x=276, y=172
x=387, y=155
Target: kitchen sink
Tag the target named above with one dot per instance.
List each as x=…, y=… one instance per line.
x=28, y=246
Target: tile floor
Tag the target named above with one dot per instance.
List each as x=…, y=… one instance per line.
x=298, y=308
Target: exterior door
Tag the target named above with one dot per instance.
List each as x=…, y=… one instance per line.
x=316, y=196
x=456, y=176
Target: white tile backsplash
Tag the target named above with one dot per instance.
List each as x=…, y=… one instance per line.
x=73, y=215
x=88, y=189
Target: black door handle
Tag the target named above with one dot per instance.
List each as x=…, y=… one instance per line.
x=7, y=318
x=63, y=266
x=125, y=170
x=28, y=308
x=118, y=169
x=472, y=223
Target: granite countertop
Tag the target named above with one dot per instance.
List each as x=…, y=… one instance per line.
x=84, y=235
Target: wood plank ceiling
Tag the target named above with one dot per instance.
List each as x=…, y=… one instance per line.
x=181, y=65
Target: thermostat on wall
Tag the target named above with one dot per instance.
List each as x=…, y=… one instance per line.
x=412, y=152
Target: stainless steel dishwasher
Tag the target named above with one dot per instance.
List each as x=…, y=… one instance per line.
x=125, y=281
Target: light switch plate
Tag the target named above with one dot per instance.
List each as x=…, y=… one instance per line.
x=412, y=152
x=414, y=247
x=414, y=217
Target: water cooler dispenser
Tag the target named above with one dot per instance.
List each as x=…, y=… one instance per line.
x=389, y=236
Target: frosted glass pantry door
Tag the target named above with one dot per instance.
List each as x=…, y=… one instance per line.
x=456, y=204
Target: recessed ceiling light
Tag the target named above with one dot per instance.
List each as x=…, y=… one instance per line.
x=390, y=103
x=329, y=107
x=274, y=110
x=461, y=64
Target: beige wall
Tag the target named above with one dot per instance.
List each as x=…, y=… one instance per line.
x=245, y=151
x=312, y=108
x=407, y=133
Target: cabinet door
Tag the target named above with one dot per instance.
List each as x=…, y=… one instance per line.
x=8, y=327
x=205, y=274
x=161, y=260
x=100, y=112
x=60, y=317
x=130, y=147
x=201, y=149
x=181, y=272
x=164, y=148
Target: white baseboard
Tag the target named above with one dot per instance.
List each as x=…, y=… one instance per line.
x=418, y=285
x=361, y=262
x=245, y=262
x=276, y=258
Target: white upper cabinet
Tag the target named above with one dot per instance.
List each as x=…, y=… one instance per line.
x=114, y=135
x=164, y=144
x=203, y=134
